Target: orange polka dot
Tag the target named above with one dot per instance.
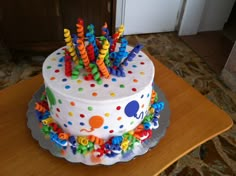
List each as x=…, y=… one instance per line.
x=141, y=73
x=52, y=78
x=72, y=103
x=94, y=94
x=135, y=80
x=96, y=121
x=142, y=105
x=119, y=118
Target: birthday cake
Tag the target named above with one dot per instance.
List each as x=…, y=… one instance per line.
x=99, y=102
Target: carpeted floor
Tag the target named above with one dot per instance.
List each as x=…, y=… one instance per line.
x=215, y=157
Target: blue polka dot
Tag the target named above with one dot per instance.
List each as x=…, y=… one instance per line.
x=69, y=122
x=132, y=108
x=142, y=96
x=134, y=66
x=59, y=65
x=61, y=59
x=113, y=79
x=105, y=127
x=67, y=87
x=81, y=123
x=65, y=125
x=121, y=126
x=148, y=95
x=64, y=79
x=58, y=53
x=140, y=55
x=106, y=85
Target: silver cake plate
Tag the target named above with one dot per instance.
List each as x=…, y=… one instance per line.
x=140, y=149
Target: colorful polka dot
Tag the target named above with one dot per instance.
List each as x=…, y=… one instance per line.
x=121, y=126
x=140, y=55
x=130, y=72
x=135, y=80
x=57, y=115
x=92, y=85
x=59, y=65
x=105, y=127
x=107, y=114
x=80, y=89
x=142, y=106
x=111, y=131
x=58, y=110
x=67, y=87
x=53, y=59
x=119, y=118
x=142, y=73
x=65, y=125
x=82, y=115
x=72, y=103
x=69, y=122
x=52, y=78
x=106, y=85
x=142, y=96
x=79, y=81
x=134, y=89
x=112, y=94
x=70, y=114
x=113, y=79
x=59, y=101
x=90, y=108
x=48, y=67
x=81, y=123
x=134, y=66
x=64, y=80
x=122, y=86
x=148, y=95
x=57, y=71
x=118, y=108
x=94, y=94
x=61, y=59
x=132, y=122
x=142, y=63
x=58, y=53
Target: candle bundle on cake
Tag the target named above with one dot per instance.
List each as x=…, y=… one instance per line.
x=96, y=54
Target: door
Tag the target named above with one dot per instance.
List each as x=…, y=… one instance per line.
x=148, y=16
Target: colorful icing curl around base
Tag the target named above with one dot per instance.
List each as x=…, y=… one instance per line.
x=98, y=147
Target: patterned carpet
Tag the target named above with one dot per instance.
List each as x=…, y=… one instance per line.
x=216, y=157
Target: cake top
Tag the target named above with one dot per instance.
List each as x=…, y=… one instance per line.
x=97, y=68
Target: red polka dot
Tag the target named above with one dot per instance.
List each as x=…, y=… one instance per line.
x=134, y=89
x=118, y=108
x=111, y=131
x=82, y=115
x=57, y=115
x=57, y=71
x=92, y=85
x=58, y=110
x=142, y=63
x=130, y=72
x=72, y=103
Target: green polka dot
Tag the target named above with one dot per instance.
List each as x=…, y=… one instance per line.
x=90, y=108
x=122, y=86
x=48, y=67
x=59, y=101
x=131, y=123
x=80, y=89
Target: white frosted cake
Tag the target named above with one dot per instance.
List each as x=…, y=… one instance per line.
x=99, y=105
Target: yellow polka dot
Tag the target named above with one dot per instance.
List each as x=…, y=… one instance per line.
x=79, y=81
x=142, y=73
x=107, y=114
x=53, y=59
x=112, y=94
x=70, y=113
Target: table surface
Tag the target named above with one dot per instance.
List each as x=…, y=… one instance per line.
x=193, y=121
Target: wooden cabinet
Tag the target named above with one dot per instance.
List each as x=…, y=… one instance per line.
x=35, y=23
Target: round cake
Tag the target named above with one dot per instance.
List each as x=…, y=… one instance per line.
x=99, y=103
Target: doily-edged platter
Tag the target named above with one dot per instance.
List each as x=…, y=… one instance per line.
x=140, y=149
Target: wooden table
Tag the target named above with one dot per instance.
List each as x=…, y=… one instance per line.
x=194, y=120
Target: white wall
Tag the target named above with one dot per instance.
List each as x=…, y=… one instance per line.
x=215, y=14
